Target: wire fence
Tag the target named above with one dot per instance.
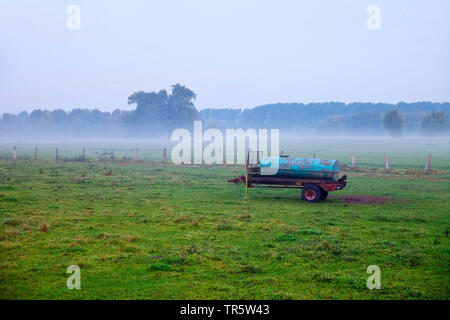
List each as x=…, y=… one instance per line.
x=160, y=155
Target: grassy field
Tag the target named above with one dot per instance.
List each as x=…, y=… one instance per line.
x=149, y=230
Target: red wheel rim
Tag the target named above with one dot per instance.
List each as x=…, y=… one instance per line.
x=310, y=194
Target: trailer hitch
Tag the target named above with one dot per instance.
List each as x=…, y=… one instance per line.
x=342, y=182
x=240, y=179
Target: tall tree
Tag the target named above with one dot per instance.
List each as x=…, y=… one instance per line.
x=182, y=110
x=160, y=112
x=393, y=122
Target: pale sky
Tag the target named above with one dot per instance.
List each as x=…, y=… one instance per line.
x=233, y=54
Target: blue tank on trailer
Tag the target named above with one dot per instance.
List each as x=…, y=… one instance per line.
x=299, y=168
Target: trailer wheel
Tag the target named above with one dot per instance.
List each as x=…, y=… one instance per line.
x=323, y=193
x=311, y=193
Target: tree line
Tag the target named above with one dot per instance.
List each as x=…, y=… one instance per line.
x=434, y=123
x=335, y=118
x=157, y=114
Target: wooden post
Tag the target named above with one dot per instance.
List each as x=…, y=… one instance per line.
x=246, y=187
x=386, y=162
x=314, y=155
x=35, y=154
x=15, y=153
x=112, y=154
x=57, y=154
x=137, y=153
x=428, y=164
x=352, y=158
x=83, y=154
x=164, y=155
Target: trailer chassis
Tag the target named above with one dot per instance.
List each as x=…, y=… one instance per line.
x=313, y=190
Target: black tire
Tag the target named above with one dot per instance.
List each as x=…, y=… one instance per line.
x=324, y=194
x=311, y=193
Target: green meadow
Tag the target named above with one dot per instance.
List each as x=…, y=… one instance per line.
x=153, y=230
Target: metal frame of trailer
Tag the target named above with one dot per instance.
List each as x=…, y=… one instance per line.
x=313, y=190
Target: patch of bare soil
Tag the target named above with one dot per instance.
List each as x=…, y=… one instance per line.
x=361, y=199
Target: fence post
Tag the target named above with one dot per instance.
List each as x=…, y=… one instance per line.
x=428, y=164
x=35, y=154
x=386, y=162
x=83, y=154
x=352, y=158
x=112, y=154
x=164, y=155
x=15, y=153
x=137, y=153
x=56, y=151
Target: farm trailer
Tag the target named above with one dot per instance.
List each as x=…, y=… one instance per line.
x=316, y=177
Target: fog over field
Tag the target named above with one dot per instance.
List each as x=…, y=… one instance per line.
x=157, y=114
x=403, y=153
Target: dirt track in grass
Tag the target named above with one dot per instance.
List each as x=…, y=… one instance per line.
x=361, y=199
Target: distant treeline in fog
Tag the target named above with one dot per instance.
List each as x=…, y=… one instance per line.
x=335, y=117
x=157, y=114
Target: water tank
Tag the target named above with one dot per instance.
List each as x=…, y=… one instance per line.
x=299, y=168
